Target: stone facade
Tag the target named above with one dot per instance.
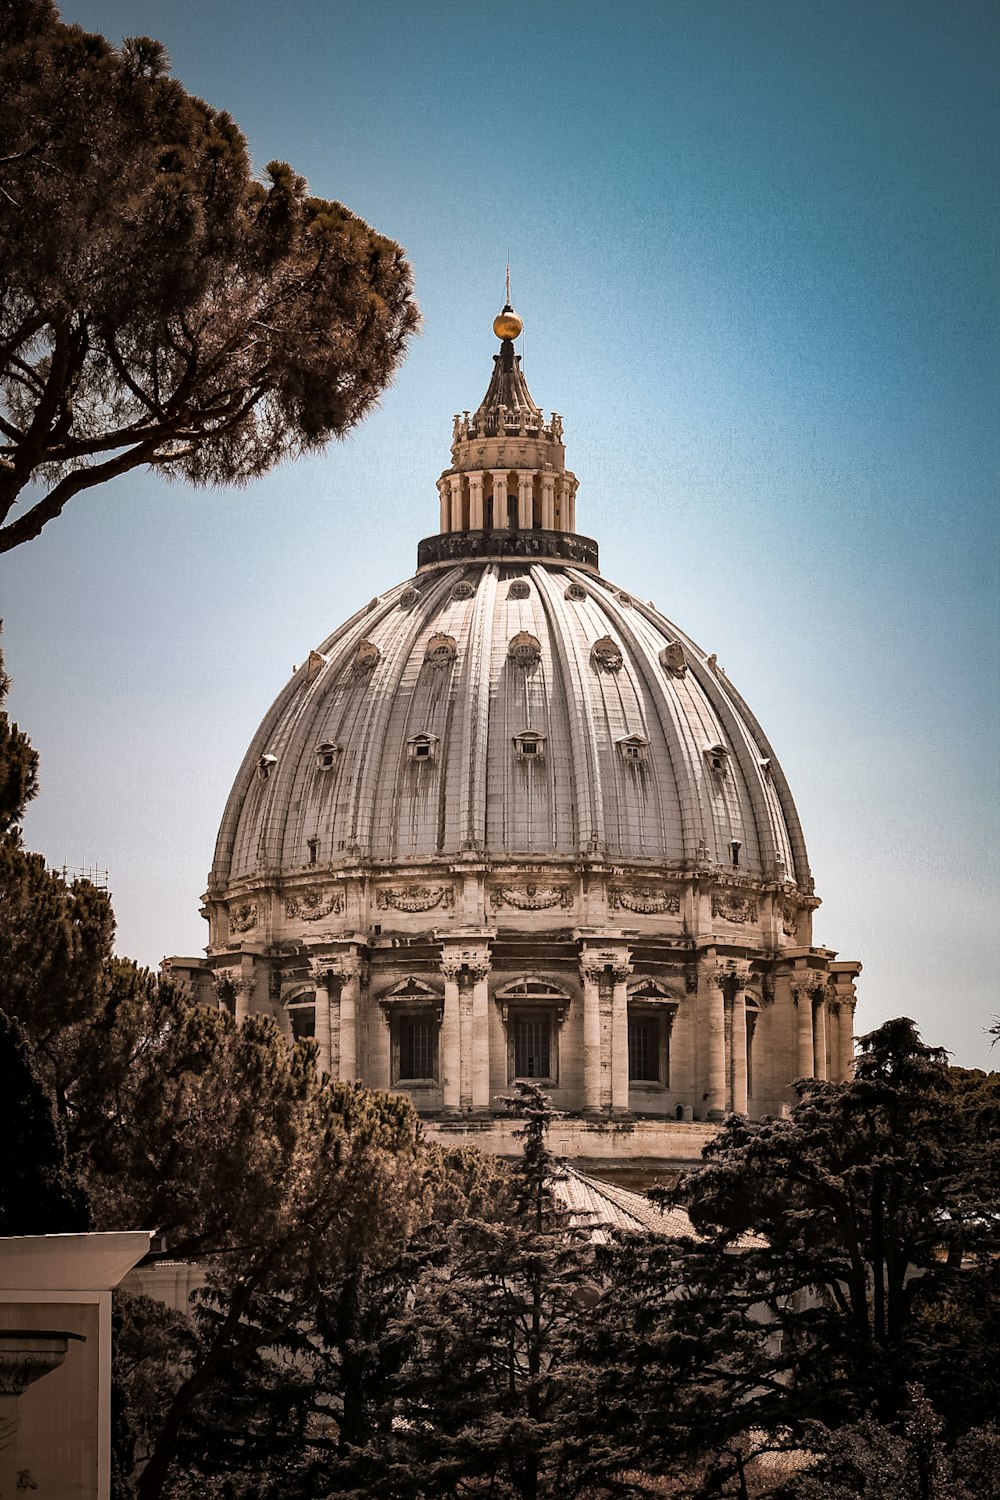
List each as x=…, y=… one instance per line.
x=511, y=822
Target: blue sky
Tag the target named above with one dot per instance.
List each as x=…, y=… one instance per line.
x=755, y=246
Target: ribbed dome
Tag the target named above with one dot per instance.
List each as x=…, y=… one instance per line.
x=509, y=823
x=509, y=709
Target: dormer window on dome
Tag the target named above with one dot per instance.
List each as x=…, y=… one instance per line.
x=265, y=765
x=606, y=655
x=529, y=745
x=422, y=747
x=672, y=658
x=718, y=759
x=366, y=657
x=519, y=589
x=327, y=753
x=441, y=650
x=634, y=749
x=525, y=649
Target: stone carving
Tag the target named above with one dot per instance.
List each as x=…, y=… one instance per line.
x=310, y=906
x=691, y=978
x=672, y=658
x=315, y=662
x=347, y=967
x=810, y=986
x=524, y=650
x=734, y=908
x=243, y=917
x=606, y=656
x=789, y=918
x=646, y=899
x=366, y=657
x=441, y=650
x=736, y=976
x=594, y=965
x=531, y=897
x=416, y=898
x=466, y=966
x=518, y=589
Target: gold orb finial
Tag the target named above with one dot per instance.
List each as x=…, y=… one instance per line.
x=507, y=324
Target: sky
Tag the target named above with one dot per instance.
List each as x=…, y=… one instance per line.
x=755, y=247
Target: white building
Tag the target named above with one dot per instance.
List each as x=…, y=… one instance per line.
x=510, y=822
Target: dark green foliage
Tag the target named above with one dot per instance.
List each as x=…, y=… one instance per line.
x=907, y=1461
x=492, y=1326
x=158, y=305
x=37, y=1192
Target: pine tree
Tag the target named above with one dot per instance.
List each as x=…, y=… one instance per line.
x=158, y=305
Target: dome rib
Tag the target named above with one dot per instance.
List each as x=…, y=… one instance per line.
x=585, y=763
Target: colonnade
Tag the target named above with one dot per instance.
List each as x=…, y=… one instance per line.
x=465, y=509
x=820, y=1035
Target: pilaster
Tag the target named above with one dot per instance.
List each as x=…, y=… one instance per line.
x=320, y=971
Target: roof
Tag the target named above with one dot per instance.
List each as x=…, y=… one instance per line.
x=646, y=753
x=595, y=1204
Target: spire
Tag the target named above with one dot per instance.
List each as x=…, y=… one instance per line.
x=508, y=492
x=508, y=404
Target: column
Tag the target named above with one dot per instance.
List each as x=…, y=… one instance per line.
x=715, y=1044
x=243, y=989
x=570, y=521
x=455, y=481
x=549, y=501
x=803, y=1002
x=476, y=502
x=348, y=971
x=738, y=1032
x=524, y=500
x=444, y=489
x=591, y=974
x=321, y=1028
x=820, y=1032
x=480, y=1039
x=619, y=1038
x=845, y=1049
x=500, y=499
x=451, y=1069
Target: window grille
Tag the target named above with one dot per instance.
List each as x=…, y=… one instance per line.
x=417, y=1048
x=532, y=1046
x=644, y=1049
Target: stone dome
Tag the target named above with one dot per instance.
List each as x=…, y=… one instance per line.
x=510, y=709
x=509, y=822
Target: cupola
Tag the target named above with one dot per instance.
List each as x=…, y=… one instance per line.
x=508, y=492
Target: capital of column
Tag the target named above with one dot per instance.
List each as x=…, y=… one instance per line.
x=319, y=971
x=736, y=975
x=473, y=961
x=346, y=967
x=810, y=986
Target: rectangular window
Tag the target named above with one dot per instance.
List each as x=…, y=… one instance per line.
x=417, y=1048
x=532, y=1046
x=644, y=1049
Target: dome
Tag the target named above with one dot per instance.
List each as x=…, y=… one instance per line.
x=509, y=822
x=510, y=708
